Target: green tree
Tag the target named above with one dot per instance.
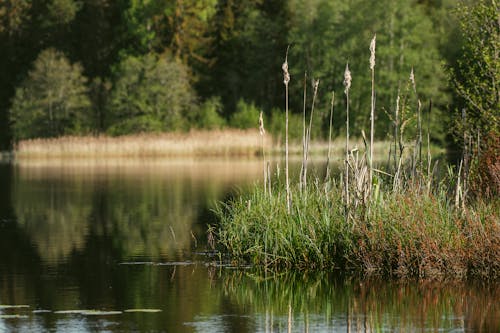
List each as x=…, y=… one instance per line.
x=476, y=81
x=52, y=100
x=14, y=17
x=245, y=116
x=150, y=94
x=209, y=114
x=249, y=42
x=13, y=13
x=476, y=75
x=179, y=27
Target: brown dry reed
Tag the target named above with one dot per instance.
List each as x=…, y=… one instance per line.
x=195, y=143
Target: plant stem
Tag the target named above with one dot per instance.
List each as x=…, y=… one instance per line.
x=327, y=176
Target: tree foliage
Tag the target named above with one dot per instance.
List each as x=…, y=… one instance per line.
x=334, y=33
x=228, y=50
x=476, y=76
x=151, y=93
x=52, y=100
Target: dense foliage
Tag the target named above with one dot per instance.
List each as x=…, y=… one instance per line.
x=217, y=53
x=149, y=95
x=52, y=100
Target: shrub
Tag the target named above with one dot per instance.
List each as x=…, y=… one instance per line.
x=246, y=116
x=209, y=114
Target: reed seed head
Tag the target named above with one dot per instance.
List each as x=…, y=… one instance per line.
x=315, y=84
x=286, y=74
x=347, y=79
x=372, y=51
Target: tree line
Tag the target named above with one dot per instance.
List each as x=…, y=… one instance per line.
x=125, y=66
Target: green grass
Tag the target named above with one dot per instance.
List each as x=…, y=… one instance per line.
x=402, y=234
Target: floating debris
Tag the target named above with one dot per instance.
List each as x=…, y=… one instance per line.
x=100, y=313
x=175, y=263
x=89, y=312
x=150, y=263
x=137, y=263
x=13, y=316
x=143, y=310
x=5, y=306
x=41, y=311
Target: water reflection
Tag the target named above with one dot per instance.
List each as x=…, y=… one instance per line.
x=117, y=235
x=331, y=303
x=143, y=208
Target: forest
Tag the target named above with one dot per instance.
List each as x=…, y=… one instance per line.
x=91, y=67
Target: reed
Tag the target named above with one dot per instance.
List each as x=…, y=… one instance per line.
x=307, y=138
x=372, y=111
x=229, y=142
x=347, y=84
x=286, y=80
x=330, y=127
x=404, y=225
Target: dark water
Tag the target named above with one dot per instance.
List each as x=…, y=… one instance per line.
x=114, y=236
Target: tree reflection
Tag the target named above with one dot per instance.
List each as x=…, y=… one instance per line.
x=145, y=212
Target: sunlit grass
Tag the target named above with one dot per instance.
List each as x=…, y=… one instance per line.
x=195, y=143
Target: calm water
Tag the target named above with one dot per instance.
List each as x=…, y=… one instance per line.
x=116, y=236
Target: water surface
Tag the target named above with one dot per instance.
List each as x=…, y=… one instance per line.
x=119, y=246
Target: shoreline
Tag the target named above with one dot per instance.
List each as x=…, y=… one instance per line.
x=193, y=144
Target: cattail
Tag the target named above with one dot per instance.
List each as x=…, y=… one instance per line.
x=286, y=80
x=372, y=112
x=286, y=74
x=347, y=79
x=372, y=51
x=412, y=79
x=347, y=83
x=315, y=84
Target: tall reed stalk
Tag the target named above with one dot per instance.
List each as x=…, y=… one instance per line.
x=327, y=175
x=417, y=154
x=372, y=111
x=262, y=132
x=308, y=133
x=301, y=178
x=347, y=84
x=429, y=157
x=286, y=80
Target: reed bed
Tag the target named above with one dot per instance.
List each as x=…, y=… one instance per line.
x=402, y=220
x=230, y=142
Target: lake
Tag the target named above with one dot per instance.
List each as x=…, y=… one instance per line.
x=121, y=245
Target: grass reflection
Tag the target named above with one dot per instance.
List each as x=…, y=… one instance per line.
x=327, y=302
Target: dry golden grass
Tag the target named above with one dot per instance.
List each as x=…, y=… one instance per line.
x=229, y=142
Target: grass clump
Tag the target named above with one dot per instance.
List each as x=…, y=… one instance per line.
x=406, y=234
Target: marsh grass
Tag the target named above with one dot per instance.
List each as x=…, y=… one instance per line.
x=404, y=234
x=401, y=221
